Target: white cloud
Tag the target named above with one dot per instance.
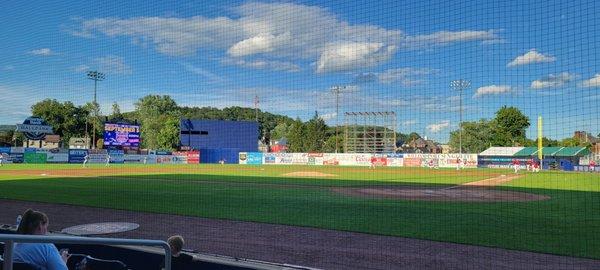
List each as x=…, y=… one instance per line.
x=282, y=32
x=447, y=37
x=437, y=127
x=81, y=68
x=203, y=72
x=113, y=65
x=406, y=76
x=42, y=52
x=531, y=57
x=351, y=56
x=262, y=43
x=552, y=81
x=16, y=103
x=263, y=64
x=593, y=82
x=409, y=122
x=492, y=90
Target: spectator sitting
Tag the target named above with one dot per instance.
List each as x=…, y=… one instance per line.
x=42, y=255
x=178, y=260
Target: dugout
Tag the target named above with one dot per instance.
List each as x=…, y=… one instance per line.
x=219, y=139
x=561, y=158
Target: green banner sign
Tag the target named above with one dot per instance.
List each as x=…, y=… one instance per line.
x=35, y=158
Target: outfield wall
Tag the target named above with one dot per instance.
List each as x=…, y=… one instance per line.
x=343, y=159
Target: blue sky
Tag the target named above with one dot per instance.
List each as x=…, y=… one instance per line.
x=541, y=56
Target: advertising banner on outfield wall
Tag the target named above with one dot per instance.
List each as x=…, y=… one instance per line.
x=164, y=159
x=193, y=157
x=243, y=158
x=116, y=156
x=253, y=158
x=300, y=158
x=5, y=150
x=315, y=158
x=347, y=159
x=77, y=155
x=17, y=150
x=269, y=158
x=179, y=158
x=283, y=158
x=127, y=158
x=60, y=157
x=34, y=158
x=16, y=154
x=379, y=160
x=395, y=160
x=97, y=158
x=442, y=160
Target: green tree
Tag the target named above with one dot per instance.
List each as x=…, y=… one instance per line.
x=66, y=119
x=509, y=127
x=315, y=134
x=573, y=142
x=297, y=137
x=152, y=110
x=329, y=146
x=93, y=122
x=476, y=137
x=546, y=142
x=280, y=131
x=116, y=112
x=168, y=136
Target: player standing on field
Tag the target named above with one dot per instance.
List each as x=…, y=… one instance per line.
x=516, y=165
x=592, y=165
x=85, y=160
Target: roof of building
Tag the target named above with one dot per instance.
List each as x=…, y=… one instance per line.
x=501, y=151
x=553, y=151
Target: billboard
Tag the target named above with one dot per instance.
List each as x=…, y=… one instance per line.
x=254, y=158
x=121, y=135
x=77, y=155
x=34, y=158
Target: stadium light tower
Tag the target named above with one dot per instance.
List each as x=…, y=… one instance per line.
x=337, y=90
x=460, y=85
x=95, y=76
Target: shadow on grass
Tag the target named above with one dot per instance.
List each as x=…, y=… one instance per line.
x=566, y=224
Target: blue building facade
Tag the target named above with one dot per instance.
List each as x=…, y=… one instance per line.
x=219, y=139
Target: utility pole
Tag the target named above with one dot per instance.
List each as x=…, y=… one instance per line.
x=256, y=108
x=460, y=85
x=95, y=76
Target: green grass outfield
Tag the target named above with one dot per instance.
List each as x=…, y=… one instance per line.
x=567, y=224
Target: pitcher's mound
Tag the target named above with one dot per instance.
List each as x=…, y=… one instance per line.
x=309, y=174
x=462, y=194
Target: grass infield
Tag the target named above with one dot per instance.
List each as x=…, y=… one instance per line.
x=566, y=224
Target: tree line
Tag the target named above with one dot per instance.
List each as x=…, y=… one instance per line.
x=159, y=116
x=507, y=128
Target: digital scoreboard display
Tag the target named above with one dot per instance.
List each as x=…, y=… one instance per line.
x=121, y=135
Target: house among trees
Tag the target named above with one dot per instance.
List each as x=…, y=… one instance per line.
x=585, y=137
x=422, y=145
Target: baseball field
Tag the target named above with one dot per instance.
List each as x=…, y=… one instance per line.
x=548, y=212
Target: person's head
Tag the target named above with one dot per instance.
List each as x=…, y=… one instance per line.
x=176, y=243
x=33, y=222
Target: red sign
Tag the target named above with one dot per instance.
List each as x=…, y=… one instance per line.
x=193, y=157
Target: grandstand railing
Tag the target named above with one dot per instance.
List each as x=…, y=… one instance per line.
x=10, y=239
